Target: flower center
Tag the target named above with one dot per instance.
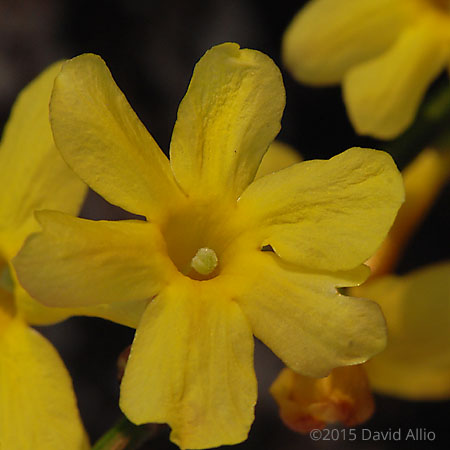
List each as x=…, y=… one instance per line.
x=204, y=261
x=198, y=238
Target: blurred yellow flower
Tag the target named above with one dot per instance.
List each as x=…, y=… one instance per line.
x=384, y=52
x=416, y=362
x=37, y=408
x=197, y=262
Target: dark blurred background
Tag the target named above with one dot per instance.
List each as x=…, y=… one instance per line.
x=151, y=48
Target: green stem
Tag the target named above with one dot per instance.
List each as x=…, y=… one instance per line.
x=125, y=435
x=432, y=121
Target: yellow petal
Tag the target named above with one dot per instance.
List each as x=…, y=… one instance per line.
x=278, y=156
x=125, y=313
x=35, y=313
x=78, y=262
x=326, y=215
x=301, y=317
x=32, y=172
x=383, y=94
x=14, y=299
x=38, y=410
x=416, y=362
x=309, y=403
x=226, y=121
x=191, y=365
x=102, y=139
x=327, y=37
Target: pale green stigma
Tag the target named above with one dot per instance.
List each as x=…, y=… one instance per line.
x=204, y=261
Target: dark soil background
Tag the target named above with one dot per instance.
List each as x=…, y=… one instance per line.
x=151, y=48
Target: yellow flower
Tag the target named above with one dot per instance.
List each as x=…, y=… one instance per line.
x=416, y=362
x=197, y=261
x=37, y=408
x=385, y=53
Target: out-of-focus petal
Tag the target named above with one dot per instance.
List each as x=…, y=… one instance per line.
x=226, y=121
x=102, y=139
x=312, y=403
x=32, y=172
x=383, y=94
x=302, y=318
x=76, y=262
x=423, y=179
x=327, y=37
x=191, y=366
x=278, y=156
x=38, y=408
x=326, y=215
x=416, y=362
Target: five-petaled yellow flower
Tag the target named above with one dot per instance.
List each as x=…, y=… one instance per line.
x=37, y=404
x=221, y=256
x=384, y=52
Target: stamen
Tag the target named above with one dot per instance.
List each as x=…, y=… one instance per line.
x=205, y=261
